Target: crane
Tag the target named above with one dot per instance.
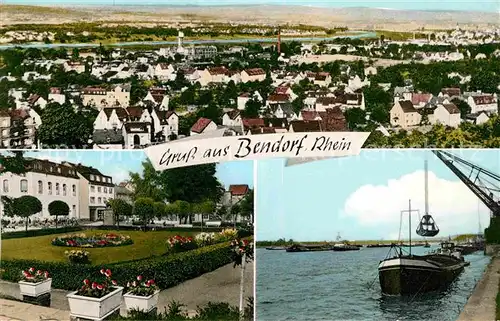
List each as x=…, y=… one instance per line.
x=482, y=182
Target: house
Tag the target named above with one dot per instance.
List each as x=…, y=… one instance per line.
x=4, y=129
x=232, y=197
x=56, y=96
x=111, y=118
x=282, y=110
x=108, y=139
x=232, y=119
x=165, y=123
x=447, y=114
x=355, y=83
x=483, y=102
x=403, y=114
x=212, y=75
x=278, y=99
x=75, y=66
x=300, y=126
x=164, y=72
x=203, y=125
x=322, y=79
x=478, y=119
x=136, y=134
x=36, y=100
x=420, y=100
x=158, y=97
x=450, y=92
x=322, y=103
x=234, y=76
x=23, y=126
x=99, y=97
x=285, y=90
x=253, y=74
x=245, y=97
x=370, y=71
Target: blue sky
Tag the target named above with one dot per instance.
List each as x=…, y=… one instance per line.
x=361, y=197
x=119, y=163
x=478, y=5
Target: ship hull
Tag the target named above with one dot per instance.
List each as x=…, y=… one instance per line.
x=402, y=276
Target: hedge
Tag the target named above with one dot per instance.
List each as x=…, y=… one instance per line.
x=167, y=271
x=41, y=232
x=136, y=227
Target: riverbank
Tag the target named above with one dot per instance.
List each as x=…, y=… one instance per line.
x=482, y=304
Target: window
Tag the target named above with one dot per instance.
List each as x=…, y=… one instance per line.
x=57, y=188
x=74, y=190
x=98, y=189
x=91, y=177
x=92, y=188
x=105, y=189
x=104, y=199
x=74, y=211
x=98, y=178
x=24, y=186
x=50, y=188
x=92, y=200
x=40, y=187
x=111, y=190
x=64, y=189
x=99, y=200
x=5, y=186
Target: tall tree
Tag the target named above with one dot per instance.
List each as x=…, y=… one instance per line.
x=26, y=206
x=58, y=208
x=144, y=209
x=252, y=108
x=148, y=183
x=62, y=126
x=120, y=209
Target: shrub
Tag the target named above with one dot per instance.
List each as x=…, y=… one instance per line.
x=181, y=244
x=78, y=256
x=167, y=271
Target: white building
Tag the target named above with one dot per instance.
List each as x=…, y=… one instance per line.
x=96, y=189
x=118, y=96
x=483, y=102
x=446, y=114
x=254, y=74
x=48, y=182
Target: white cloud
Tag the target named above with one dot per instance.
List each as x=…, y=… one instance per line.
x=119, y=175
x=451, y=203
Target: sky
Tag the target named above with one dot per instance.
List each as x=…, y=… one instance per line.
x=361, y=197
x=118, y=164
x=478, y=5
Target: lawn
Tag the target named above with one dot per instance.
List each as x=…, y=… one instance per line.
x=146, y=244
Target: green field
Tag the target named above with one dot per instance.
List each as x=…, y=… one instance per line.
x=146, y=244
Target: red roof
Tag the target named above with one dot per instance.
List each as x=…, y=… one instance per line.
x=309, y=115
x=281, y=90
x=217, y=70
x=417, y=99
x=249, y=123
x=238, y=190
x=279, y=97
x=200, y=125
x=484, y=99
x=55, y=90
x=255, y=71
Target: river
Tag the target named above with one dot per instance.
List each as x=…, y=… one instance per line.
x=186, y=42
x=320, y=286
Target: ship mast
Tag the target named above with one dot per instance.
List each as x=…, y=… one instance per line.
x=426, y=187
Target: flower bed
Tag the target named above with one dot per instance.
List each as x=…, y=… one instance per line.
x=181, y=244
x=100, y=240
x=78, y=256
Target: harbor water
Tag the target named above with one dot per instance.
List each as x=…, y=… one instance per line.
x=332, y=286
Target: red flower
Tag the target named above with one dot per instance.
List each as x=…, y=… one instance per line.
x=152, y=282
x=139, y=278
x=46, y=274
x=114, y=282
x=103, y=271
x=99, y=287
x=108, y=273
x=32, y=269
x=86, y=282
x=94, y=285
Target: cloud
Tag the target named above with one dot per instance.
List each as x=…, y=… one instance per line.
x=119, y=175
x=451, y=203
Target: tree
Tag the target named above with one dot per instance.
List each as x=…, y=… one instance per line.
x=144, y=209
x=120, y=209
x=354, y=117
x=205, y=208
x=252, y=108
x=148, y=184
x=159, y=210
x=15, y=165
x=26, y=206
x=247, y=205
x=63, y=126
x=235, y=210
x=58, y=208
x=463, y=106
x=183, y=210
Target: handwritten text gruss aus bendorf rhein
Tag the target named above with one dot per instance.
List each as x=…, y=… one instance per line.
x=245, y=148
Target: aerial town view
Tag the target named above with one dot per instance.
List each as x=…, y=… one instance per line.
x=125, y=76
x=386, y=235
x=82, y=229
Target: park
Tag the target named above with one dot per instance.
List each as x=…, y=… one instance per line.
x=174, y=260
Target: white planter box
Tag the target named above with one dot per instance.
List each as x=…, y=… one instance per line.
x=142, y=303
x=35, y=289
x=95, y=308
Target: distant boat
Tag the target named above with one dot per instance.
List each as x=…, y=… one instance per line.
x=308, y=248
x=379, y=245
x=276, y=248
x=427, y=244
x=345, y=247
